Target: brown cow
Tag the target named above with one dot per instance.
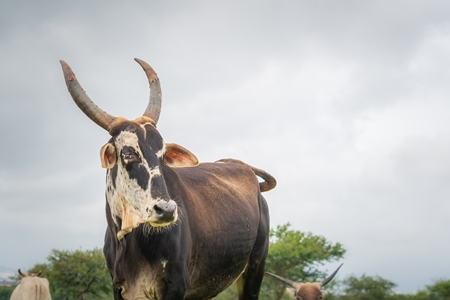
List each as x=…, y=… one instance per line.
x=308, y=290
x=177, y=229
x=31, y=287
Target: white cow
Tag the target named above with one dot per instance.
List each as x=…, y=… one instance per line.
x=31, y=287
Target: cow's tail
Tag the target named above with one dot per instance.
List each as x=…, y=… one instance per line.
x=269, y=181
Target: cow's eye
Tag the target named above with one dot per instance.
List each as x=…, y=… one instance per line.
x=130, y=157
x=127, y=156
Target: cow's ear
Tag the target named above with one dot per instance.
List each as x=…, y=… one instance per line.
x=108, y=156
x=178, y=156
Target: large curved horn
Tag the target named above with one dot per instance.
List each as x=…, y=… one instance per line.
x=328, y=279
x=284, y=280
x=22, y=274
x=90, y=109
x=153, y=109
x=38, y=273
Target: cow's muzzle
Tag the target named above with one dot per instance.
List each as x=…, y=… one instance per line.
x=163, y=213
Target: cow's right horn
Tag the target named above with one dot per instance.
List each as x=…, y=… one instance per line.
x=153, y=109
x=83, y=101
x=328, y=279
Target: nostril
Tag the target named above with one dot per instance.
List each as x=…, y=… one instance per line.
x=158, y=210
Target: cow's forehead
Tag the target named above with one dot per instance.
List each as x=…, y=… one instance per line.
x=126, y=132
x=128, y=138
x=309, y=290
x=121, y=124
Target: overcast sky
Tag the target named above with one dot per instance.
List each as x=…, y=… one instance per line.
x=346, y=103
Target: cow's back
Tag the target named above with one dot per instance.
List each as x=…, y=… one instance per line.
x=32, y=288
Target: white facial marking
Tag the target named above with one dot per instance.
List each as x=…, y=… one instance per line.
x=161, y=152
x=129, y=201
x=155, y=172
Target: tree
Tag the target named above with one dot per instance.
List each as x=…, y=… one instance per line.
x=293, y=254
x=368, y=288
x=440, y=289
x=296, y=255
x=421, y=295
x=77, y=274
x=35, y=269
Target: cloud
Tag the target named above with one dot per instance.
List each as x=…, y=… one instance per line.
x=345, y=104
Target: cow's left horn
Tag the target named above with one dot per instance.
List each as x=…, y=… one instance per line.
x=83, y=101
x=329, y=278
x=153, y=109
x=22, y=274
x=284, y=280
